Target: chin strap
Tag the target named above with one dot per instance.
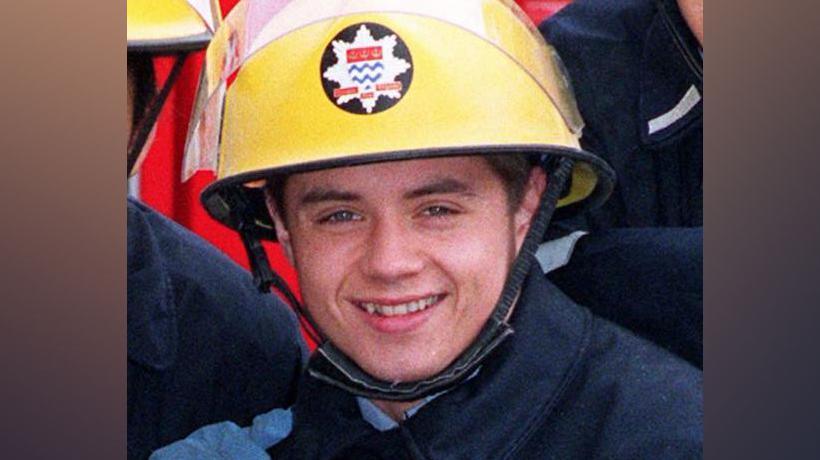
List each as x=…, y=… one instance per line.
x=332, y=366
x=146, y=124
x=263, y=276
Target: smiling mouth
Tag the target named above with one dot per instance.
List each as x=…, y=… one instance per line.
x=399, y=309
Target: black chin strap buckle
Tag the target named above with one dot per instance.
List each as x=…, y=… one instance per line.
x=263, y=277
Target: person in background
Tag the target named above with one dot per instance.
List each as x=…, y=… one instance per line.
x=203, y=344
x=637, y=69
x=410, y=180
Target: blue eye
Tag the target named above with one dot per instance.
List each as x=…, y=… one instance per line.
x=339, y=217
x=438, y=211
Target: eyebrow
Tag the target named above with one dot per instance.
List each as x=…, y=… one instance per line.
x=441, y=186
x=319, y=195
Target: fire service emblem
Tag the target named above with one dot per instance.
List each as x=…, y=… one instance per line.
x=366, y=69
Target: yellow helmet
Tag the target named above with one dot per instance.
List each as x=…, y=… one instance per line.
x=289, y=87
x=157, y=26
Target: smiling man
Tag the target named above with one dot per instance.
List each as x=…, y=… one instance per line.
x=409, y=157
x=403, y=262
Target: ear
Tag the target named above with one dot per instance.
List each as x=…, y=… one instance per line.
x=282, y=234
x=536, y=184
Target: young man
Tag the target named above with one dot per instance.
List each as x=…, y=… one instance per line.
x=409, y=156
x=203, y=345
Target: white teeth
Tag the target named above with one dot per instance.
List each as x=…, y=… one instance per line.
x=402, y=309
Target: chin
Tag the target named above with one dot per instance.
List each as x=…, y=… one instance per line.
x=404, y=371
x=401, y=376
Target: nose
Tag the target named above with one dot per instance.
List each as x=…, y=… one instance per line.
x=392, y=252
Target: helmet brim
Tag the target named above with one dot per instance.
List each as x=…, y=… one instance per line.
x=170, y=45
x=218, y=197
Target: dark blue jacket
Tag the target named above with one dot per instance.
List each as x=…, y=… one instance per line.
x=637, y=72
x=648, y=280
x=565, y=385
x=203, y=344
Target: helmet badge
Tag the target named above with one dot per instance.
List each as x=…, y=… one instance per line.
x=366, y=69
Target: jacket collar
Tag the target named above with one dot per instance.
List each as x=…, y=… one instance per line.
x=152, y=326
x=671, y=81
x=522, y=379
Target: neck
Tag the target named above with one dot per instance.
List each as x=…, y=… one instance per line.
x=692, y=12
x=394, y=409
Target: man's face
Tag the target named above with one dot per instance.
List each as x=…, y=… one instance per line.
x=401, y=263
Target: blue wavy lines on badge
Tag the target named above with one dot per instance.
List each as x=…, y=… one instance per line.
x=365, y=66
x=365, y=78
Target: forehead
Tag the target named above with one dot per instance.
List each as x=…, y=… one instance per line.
x=471, y=173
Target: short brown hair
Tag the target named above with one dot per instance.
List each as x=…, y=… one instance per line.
x=514, y=171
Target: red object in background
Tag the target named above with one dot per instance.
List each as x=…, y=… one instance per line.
x=159, y=182
x=538, y=10
x=160, y=173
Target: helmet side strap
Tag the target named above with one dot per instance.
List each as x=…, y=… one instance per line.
x=557, y=180
x=143, y=131
x=264, y=277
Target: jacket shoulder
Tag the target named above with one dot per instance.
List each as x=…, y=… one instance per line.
x=602, y=44
x=618, y=395
x=208, y=289
x=600, y=22
x=652, y=400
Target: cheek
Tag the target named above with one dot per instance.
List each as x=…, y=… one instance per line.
x=321, y=265
x=478, y=259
